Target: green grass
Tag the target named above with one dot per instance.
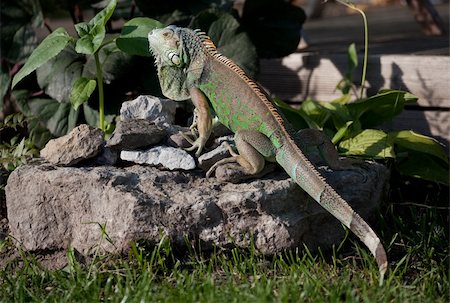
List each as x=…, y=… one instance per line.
x=416, y=237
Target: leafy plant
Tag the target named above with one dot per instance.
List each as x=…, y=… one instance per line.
x=18, y=150
x=91, y=40
x=353, y=126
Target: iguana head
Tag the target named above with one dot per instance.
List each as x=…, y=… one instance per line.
x=166, y=45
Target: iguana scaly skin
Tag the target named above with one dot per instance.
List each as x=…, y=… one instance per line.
x=189, y=66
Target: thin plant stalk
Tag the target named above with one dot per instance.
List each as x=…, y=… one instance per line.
x=101, y=96
x=366, y=42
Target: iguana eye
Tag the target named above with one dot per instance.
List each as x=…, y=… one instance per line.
x=168, y=33
x=174, y=58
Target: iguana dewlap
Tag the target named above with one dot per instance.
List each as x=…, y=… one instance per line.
x=189, y=66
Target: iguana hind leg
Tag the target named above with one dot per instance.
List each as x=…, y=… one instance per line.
x=307, y=138
x=253, y=147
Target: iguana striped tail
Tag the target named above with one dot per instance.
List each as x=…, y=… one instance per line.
x=303, y=172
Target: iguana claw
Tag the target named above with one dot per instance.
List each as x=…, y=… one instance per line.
x=197, y=143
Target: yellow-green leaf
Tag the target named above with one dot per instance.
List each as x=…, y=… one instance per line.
x=370, y=143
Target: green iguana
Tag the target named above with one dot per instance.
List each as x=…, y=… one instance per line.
x=189, y=66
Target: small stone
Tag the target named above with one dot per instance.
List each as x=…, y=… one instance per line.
x=177, y=140
x=166, y=156
x=133, y=134
x=157, y=110
x=83, y=142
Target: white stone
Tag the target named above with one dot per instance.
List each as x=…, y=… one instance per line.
x=166, y=156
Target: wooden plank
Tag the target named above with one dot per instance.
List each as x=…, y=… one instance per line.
x=302, y=75
x=305, y=75
x=431, y=123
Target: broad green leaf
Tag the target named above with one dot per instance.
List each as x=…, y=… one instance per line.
x=369, y=143
x=58, y=118
x=81, y=91
x=93, y=33
x=229, y=38
x=51, y=46
x=381, y=108
x=134, y=36
x=410, y=140
x=58, y=75
x=424, y=166
x=316, y=114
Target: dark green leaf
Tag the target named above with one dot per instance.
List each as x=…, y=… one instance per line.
x=226, y=33
x=291, y=114
x=18, y=19
x=369, y=143
x=410, y=140
x=5, y=80
x=51, y=46
x=81, y=91
x=134, y=36
x=58, y=118
x=381, y=108
x=424, y=166
x=57, y=77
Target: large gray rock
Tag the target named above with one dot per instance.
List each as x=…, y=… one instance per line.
x=83, y=142
x=50, y=208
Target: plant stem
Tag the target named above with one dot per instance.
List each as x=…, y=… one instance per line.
x=101, y=96
x=366, y=42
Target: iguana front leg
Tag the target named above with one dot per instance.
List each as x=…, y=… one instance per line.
x=202, y=123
